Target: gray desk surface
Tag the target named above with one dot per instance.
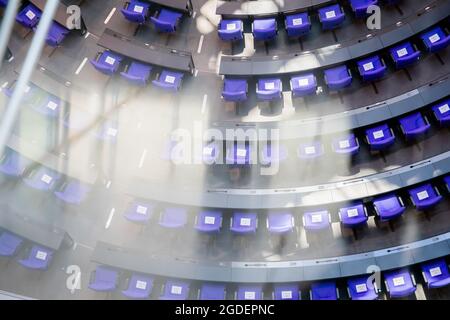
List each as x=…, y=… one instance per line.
x=181, y=5
x=244, y=9
x=312, y=196
x=152, y=54
x=273, y=272
x=32, y=230
x=327, y=57
x=61, y=14
x=348, y=120
x=54, y=83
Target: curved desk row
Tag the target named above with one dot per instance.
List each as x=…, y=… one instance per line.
x=247, y=9
x=151, y=54
x=333, y=55
x=311, y=196
x=36, y=231
x=62, y=13
x=348, y=120
x=180, y=5
x=273, y=272
x=40, y=156
x=57, y=163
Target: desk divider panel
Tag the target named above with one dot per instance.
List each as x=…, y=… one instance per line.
x=274, y=272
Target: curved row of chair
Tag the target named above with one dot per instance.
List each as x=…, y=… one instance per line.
x=397, y=283
x=37, y=257
x=371, y=68
x=353, y=215
x=136, y=73
x=71, y=191
x=51, y=106
x=377, y=137
x=29, y=18
x=297, y=24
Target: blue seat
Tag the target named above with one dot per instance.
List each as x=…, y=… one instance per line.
x=49, y=106
x=298, y=24
x=414, y=125
x=303, y=85
x=108, y=131
x=399, y=283
x=280, y=222
x=371, y=68
x=212, y=291
x=436, y=273
x=286, y=291
x=173, y=218
x=136, y=11
x=244, y=223
x=331, y=17
x=42, y=178
x=359, y=289
x=316, y=221
x=346, y=145
x=264, y=29
x=235, y=90
x=56, y=34
x=435, y=39
x=442, y=112
x=104, y=279
x=249, y=292
x=231, y=30
x=269, y=89
x=389, y=207
x=139, y=287
x=447, y=182
x=325, y=290
x=353, y=215
x=424, y=197
x=139, y=212
x=137, y=73
x=208, y=221
x=338, y=78
x=310, y=150
x=169, y=80
x=9, y=244
x=380, y=137
x=360, y=7
x=29, y=16
x=107, y=62
x=39, y=258
x=175, y=290
x=3, y=3
x=404, y=55
x=210, y=153
x=166, y=20
x=13, y=164
x=239, y=155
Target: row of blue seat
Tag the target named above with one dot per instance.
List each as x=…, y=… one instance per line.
x=371, y=68
x=387, y=207
x=37, y=258
x=378, y=137
x=136, y=73
x=29, y=18
x=398, y=283
x=164, y=20
x=297, y=24
x=70, y=191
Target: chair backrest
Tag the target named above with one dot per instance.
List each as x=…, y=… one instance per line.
x=133, y=16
